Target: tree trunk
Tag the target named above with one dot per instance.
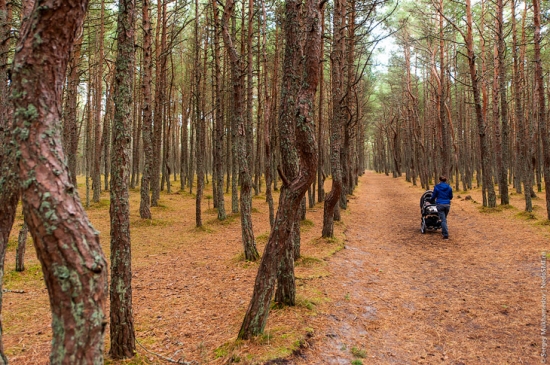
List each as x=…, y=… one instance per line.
x=485, y=153
x=503, y=173
x=70, y=125
x=237, y=75
x=542, y=117
x=9, y=189
x=67, y=245
x=147, y=124
x=320, y=138
x=293, y=191
x=96, y=173
x=199, y=120
x=21, y=247
x=123, y=342
x=159, y=101
x=337, y=68
x=219, y=120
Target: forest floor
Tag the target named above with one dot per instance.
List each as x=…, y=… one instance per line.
x=392, y=296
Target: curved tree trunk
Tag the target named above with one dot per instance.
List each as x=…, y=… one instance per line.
x=293, y=191
x=67, y=245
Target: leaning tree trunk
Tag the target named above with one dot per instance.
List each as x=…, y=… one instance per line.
x=66, y=243
x=293, y=191
x=123, y=342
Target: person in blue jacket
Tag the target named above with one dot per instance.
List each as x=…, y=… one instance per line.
x=442, y=196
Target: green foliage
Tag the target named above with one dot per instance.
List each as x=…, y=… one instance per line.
x=308, y=261
x=262, y=238
x=358, y=352
x=496, y=209
x=526, y=215
x=13, y=279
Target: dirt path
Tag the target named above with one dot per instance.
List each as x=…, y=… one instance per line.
x=400, y=297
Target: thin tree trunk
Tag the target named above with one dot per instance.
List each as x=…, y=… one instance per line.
x=330, y=208
x=123, y=342
x=96, y=173
x=9, y=187
x=219, y=119
x=199, y=119
x=485, y=154
x=147, y=124
x=160, y=44
x=320, y=139
x=70, y=126
x=503, y=173
x=21, y=247
x=543, y=123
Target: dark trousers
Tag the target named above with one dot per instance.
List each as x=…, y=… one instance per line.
x=443, y=210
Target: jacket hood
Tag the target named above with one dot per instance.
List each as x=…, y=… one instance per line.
x=444, y=187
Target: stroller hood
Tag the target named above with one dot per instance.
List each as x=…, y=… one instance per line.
x=425, y=198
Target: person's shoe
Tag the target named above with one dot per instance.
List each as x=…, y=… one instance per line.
x=445, y=237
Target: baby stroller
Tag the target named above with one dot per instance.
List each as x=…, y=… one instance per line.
x=430, y=216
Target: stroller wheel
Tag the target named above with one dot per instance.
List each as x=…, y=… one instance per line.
x=423, y=226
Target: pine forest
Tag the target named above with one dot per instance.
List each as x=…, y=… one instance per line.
x=223, y=181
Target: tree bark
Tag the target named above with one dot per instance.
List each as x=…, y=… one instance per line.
x=123, y=342
x=67, y=245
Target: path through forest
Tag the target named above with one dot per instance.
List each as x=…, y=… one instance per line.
x=400, y=297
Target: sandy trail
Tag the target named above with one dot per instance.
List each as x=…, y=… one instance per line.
x=406, y=298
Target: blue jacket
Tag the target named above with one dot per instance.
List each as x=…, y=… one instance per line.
x=442, y=194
